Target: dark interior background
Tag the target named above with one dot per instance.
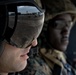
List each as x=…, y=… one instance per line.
x=71, y=50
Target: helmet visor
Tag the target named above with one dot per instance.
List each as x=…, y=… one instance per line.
x=24, y=24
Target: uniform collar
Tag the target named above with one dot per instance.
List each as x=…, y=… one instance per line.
x=55, y=56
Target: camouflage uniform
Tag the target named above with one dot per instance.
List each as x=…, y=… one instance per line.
x=43, y=60
x=40, y=65
x=36, y=65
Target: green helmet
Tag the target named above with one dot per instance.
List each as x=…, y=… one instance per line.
x=56, y=7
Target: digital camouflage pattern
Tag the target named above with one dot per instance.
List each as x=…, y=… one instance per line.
x=36, y=65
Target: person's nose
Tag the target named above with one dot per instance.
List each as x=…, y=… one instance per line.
x=34, y=42
x=65, y=30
